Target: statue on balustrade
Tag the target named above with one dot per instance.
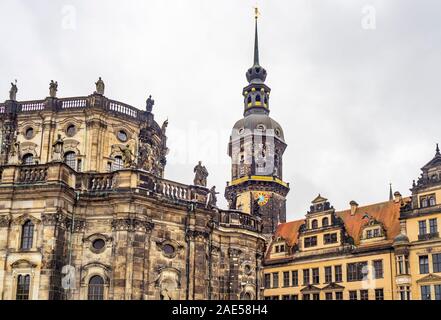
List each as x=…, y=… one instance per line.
x=149, y=104
x=14, y=154
x=53, y=88
x=13, y=91
x=99, y=86
x=201, y=174
x=58, y=150
x=212, y=199
x=128, y=156
x=146, y=157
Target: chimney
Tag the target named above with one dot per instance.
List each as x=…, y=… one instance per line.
x=354, y=206
x=397, y=197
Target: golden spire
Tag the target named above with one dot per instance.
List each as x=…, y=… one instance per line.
x=256, y=12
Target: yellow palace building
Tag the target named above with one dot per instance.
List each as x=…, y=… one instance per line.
x=382, y=251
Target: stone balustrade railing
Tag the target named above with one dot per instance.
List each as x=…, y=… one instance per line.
x=32, y=174
x=238, y=219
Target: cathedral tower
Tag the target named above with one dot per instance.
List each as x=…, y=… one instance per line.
x=256, y=149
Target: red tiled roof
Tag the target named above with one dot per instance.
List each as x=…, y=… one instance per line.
x=289, y=231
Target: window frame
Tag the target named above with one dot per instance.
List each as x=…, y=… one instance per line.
x=95, y=291
x=23, y=289
x=27, y=235
x=423, y=268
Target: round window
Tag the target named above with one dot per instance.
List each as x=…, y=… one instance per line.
x=247, y=269
x=71, y=130
x=168, y=249
x=277, y=132
x=122, y=135
x=29, y=133
x=241, y=130
x=98, y=244
x=260, y=127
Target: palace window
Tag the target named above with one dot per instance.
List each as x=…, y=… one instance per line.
x=325, y=222
x=424, y=264
x=330, y=238
x=338, y=274
x=315, y=276
x=356, y=271
x=70, y=159
x=305, y=277
x=328, y=295
x=96, y=288
x=437, y=292
x=379, y=294
x=433, y=226
x=28, y=159
x=316, y=296
x=286, y=279
x=295, y=278
x=285, y=297
x=378, y=269
x=403, y=264
x=23, y=284
x=306, y=296
x=353, y=295
x=339, y=295
x=404, y=292
x=310, y=242
x=29, y=133
x=425, y=293
x=267, y=281
x=436, y=261
x=118, y=163
x=364, y=295
x=314, y=224
x=275, y=279
x=294, y=297
x=422, y=227
x=27, y=235
x=427, y=201
x=328, y=274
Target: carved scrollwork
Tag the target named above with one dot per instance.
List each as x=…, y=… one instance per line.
x=5, y=221
x=131, y=225
x=196, y=235
x=234, y=252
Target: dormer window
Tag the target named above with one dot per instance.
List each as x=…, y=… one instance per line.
x=373, y=233
x=279, y=248
x=325, y=222
x=427, y=201
x=314, y=224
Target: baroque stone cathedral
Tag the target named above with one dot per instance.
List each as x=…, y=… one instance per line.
x=86, y=213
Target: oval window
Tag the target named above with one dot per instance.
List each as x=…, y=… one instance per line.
x=98, y=244
x=71, y=130
x=168, y=249
x=122, y=135
x=29, y=133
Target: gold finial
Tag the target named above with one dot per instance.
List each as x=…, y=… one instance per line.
x=256, y=12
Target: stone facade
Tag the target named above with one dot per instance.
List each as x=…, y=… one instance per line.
x=85, y=211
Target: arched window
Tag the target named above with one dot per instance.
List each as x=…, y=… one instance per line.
x=247, y=296
x=325, y=222
x=258, y=98
x=23, y=283
x=432, y=201
x=314, y=224
x=249, y=99
x=28, y=159
x=118, y=163
x=424, y=202
x=70, y=159
x=96, y=288
x=27, y=235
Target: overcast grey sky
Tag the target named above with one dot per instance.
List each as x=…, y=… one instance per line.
x=360, y=107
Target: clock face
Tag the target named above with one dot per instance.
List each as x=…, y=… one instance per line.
x=262, y=197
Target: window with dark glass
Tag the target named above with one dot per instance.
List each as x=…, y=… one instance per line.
x=424, y=202
x=71, y=130
x=305, y=277
x=364, y=295
x=29, y=133
x=27, y=235
x=295, y=278
x=122, y=136
x=356, y=271
x=23, y=284
x=267, y=280
x=339, y=295
x=369, y=234
x=424, y=264
x=295, y=297
x=376, y=232
x=118, y=163
x=425, y=293
x=433, y=226
x=314, y=224
x=286, y=279
x=306, y=296
x=338, y=274
x=285, y=297
x=275, y=279
x=70, y=159
x=432, y=201
x=28, y=159
x=378, y=269
x=325, y=222
x=98, y=244
x=422, y=227
x=310, y=242
x=436, y=261
x=404, y=292
x=353, y=295
x=330, y=238
x=316, y=296
x=379, y=294
x=328, y=295
x=315, y=276
x=438, y=292
x=328, y=274
x=96, y=288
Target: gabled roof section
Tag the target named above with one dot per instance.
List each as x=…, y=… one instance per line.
x=319, y=199
x=289, y=231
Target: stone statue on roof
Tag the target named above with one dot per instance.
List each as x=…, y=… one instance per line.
x=100, y=86
x=149, y=104
x=201, y=174
x=58, y=149
x=53, y=88
x=13, y=91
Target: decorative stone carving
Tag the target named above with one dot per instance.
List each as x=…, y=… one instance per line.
x=131, y=225
x=212, y=199
x=53, y=88
x=196, y=235
x=201, y=174
x=99, y=86
x=127, y=156
x=15, y=153
x=58, y=150
x=5, y=221
x=168, y=283
x=234, y=252
x=149, y=104
x=13, y=91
